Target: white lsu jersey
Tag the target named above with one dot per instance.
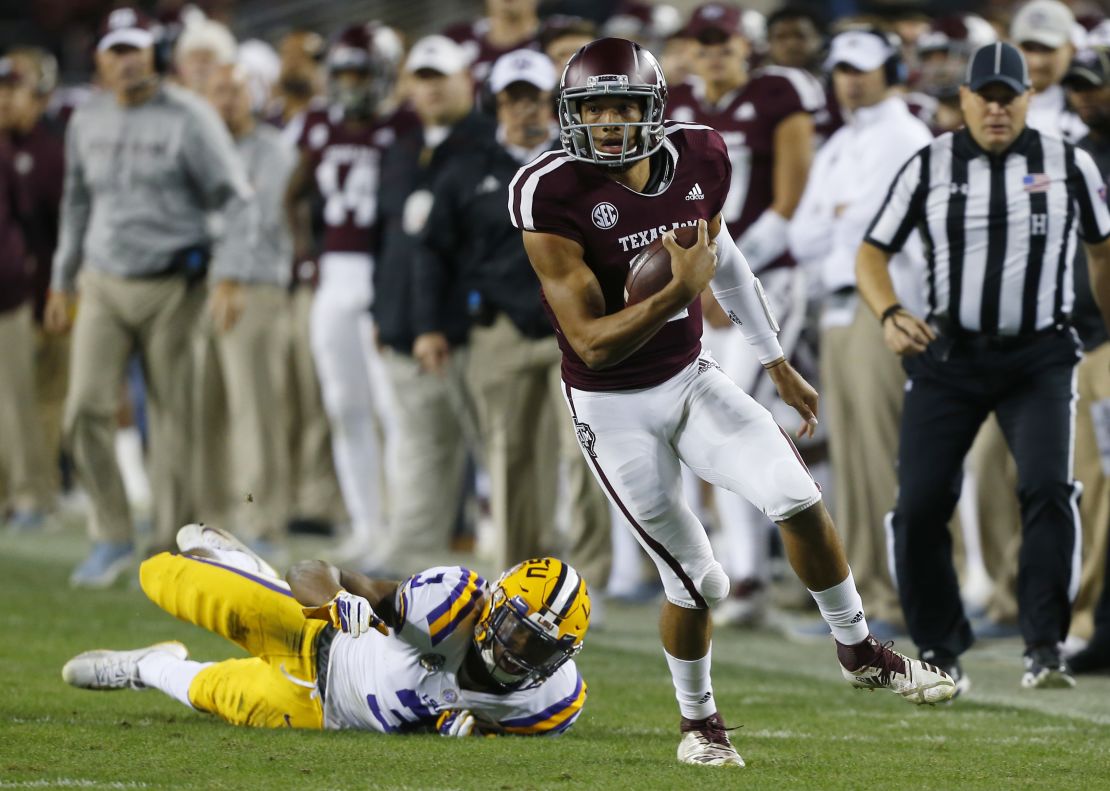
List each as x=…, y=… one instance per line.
x=402, y=682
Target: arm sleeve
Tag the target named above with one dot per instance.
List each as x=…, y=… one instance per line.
x=1090, y=197
x=74, y=221
x=436, y=255
x=902, y=208
x=741, y=296
x=811, y=224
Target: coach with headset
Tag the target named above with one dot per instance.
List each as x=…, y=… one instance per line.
x=1000, y=208
x=860, y=379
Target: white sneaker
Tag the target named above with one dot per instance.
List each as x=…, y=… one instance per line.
x=103, y=669
x=225, y=547
x=916, y=681
x=706, y=743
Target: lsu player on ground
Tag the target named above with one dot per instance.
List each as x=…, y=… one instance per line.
x=442, y=651
x=643, y=396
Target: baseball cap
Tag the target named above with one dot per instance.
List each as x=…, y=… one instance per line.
x=998, y=62
x=1090, y=68
x=859, y=49
x=1047, y=22
x=126, y=26
x=437, y=53
x=522, y=65
x=714, y=18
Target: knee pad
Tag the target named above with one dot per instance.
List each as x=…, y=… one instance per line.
x=714, y=585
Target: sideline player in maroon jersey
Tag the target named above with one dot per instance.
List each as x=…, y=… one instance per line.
x=341, y=159
x=642, y=396
x=766, y=120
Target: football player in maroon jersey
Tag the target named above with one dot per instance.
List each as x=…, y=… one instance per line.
x=340, y=159
x=642, y=395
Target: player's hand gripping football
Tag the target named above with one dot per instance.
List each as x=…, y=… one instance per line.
x=797, y=393
x=692, y=267
x=349, y=614
x=457, y=723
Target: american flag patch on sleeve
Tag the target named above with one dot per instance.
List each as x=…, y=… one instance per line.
x=1037, y=182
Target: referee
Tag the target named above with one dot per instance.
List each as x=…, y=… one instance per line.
x=999, y=207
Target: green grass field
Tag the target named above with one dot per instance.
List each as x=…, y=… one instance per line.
x=800, y=725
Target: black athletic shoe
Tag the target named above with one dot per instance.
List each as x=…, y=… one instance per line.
x=1045, y=668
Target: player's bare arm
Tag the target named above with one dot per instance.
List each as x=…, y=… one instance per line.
x=793, y=157
x=904, y=333
x=575, y=295
x=297, y=211
x=315, y=583
x=1098, y=263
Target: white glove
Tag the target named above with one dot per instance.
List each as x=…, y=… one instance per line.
x=457, y=723
x=353, y=615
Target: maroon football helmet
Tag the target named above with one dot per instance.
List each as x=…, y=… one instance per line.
x=369, y=50
x=612, y=67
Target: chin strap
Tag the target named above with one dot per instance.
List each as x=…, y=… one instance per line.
x=741, y=295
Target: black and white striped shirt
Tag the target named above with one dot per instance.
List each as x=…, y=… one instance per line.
x=999, y=232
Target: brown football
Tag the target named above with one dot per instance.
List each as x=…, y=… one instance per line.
x=650, y=270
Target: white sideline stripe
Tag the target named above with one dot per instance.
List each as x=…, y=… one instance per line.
x=66, y=782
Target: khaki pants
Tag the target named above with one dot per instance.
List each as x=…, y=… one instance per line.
x=247, y=425
x=51, y=380
x=863, y=383
x=1091, y=447
x=527, y=432
x=116, y=316
x=24, y=464
x=434, y=420
x=314, y=487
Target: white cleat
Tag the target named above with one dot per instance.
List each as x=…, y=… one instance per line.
x=706, y=743
x=916, y=681
x=102, y=669
x=225, y=547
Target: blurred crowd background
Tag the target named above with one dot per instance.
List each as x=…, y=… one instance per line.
x=380, y=374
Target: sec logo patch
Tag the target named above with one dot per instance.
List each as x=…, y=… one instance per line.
x=605, y=215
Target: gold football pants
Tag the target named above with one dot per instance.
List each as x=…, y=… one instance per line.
x=274, y=688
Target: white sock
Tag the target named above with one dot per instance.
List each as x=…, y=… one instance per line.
x=692, y=686
x=169, y=674
x=842, y=609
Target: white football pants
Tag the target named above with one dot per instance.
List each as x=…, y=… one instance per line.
x=353, y=384
x=637, y=440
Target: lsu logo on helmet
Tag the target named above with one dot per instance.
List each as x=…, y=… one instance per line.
x=534, y=620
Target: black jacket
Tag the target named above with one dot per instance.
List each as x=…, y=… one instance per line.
x=470, y=239
x=407, y=168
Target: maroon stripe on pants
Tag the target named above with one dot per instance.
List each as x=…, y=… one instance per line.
x=656, y=547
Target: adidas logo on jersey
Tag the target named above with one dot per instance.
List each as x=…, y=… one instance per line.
x=695, y=192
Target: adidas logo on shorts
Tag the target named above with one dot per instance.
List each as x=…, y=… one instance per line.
x=695, y=192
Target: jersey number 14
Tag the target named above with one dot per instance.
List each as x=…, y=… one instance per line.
x=350, y=191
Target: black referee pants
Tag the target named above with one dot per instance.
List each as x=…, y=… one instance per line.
x=948, y=396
